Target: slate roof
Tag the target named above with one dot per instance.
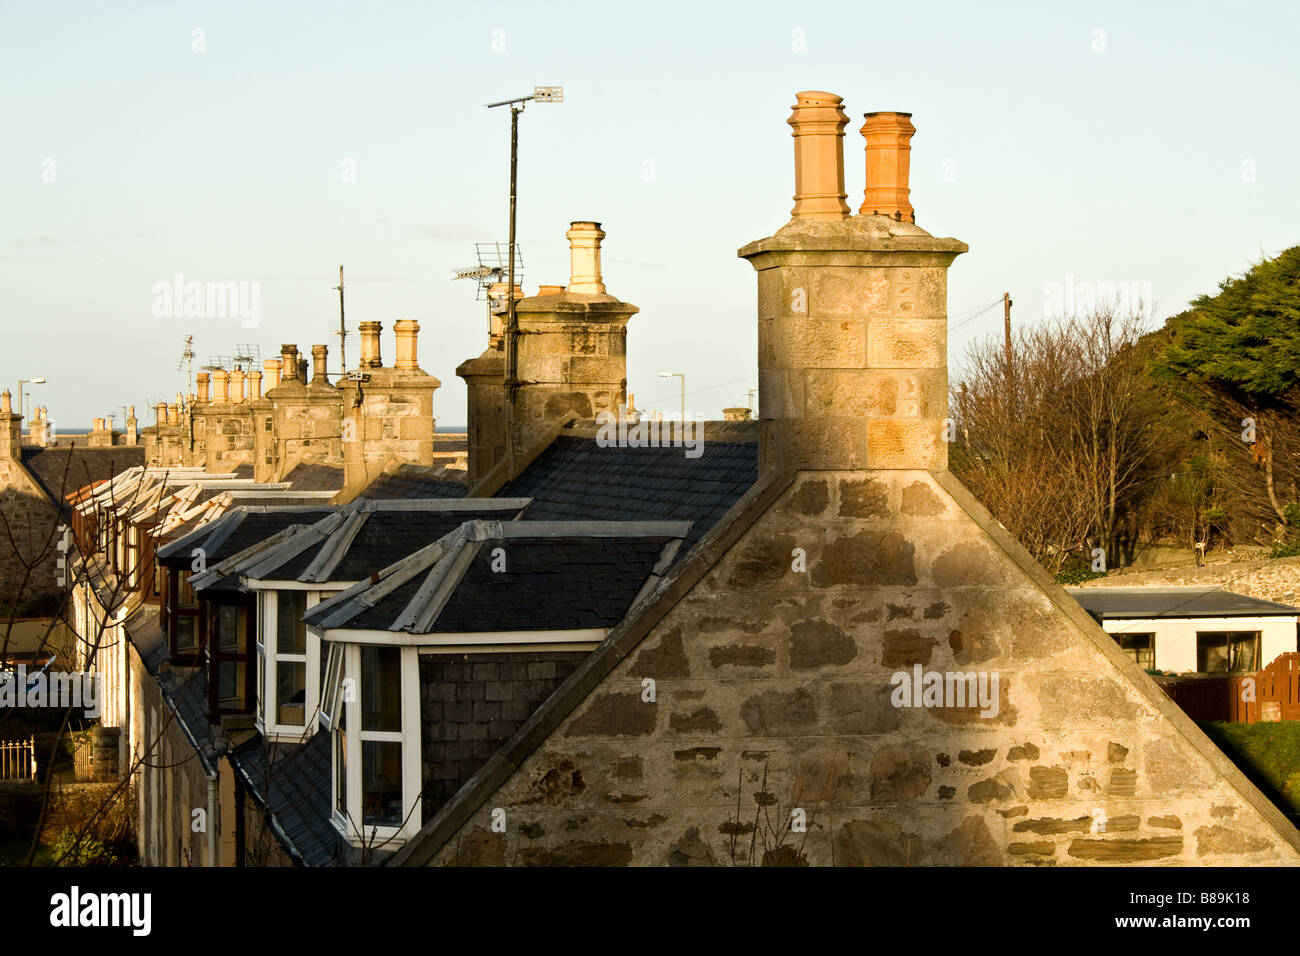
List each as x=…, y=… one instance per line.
x=376, y=538
x=307, y=476
x=238, y=529
x=61, y=470
x=416, y=481
x=576, y=479
x=1173, y=602
x=557, y=576
x=292, y=783
x=184, y=691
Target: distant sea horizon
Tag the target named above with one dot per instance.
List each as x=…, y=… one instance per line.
x=439, y=429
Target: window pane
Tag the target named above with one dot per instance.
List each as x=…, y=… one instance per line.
x=185, y=636
x=329, y=688
x=381, y=783
x=290, y=692
x=230, y=684
x=381, y=688
x=185, y=596
x=1224, y=652
x=291, y=632
x=341, y=770
x=228, y=629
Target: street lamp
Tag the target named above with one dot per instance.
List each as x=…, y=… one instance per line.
x=26, y=381
x=682, y=376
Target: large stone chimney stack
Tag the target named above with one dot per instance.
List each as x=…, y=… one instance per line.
x=852, y=311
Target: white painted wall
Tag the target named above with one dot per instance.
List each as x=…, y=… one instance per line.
x=1175, y=643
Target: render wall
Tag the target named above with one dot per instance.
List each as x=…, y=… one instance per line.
x=773, y=691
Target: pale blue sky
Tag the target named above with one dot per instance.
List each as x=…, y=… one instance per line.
x=1049, y=156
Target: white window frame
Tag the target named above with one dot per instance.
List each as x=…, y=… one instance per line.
x=350, y=825
x=268, y=658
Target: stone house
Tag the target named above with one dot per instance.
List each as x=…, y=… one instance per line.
x=809, y=639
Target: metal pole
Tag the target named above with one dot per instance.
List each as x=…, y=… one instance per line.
x=511, y=353
x=343, y=329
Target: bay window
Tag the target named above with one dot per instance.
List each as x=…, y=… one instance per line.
x=289, y=668
x=377, y=743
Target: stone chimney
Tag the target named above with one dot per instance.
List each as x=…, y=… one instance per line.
x=271, y=373
x=584, y=258
x=406, y=332
x=889, y=151
x=201, y=383
x=390, y=415
x=11, y=429
x=220, y=387
x=237, y=385
x=572, y=354
x=319, y=373
x=160, y=410
x=174, y=413
x=132, y=427
x=852, y=319
x=369, y=332
x=740, y=413
x=254, y=385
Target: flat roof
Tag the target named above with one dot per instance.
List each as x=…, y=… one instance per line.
x=1174, y=602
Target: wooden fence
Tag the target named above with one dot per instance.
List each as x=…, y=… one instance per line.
x=1275, y=696
x=18, y=759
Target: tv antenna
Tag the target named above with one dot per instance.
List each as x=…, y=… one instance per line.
x=493, y=269
x=187, y=363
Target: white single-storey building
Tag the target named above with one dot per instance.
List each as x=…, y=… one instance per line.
x=1193, y=630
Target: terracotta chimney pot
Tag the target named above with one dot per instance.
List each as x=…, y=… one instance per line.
x=237, y=385
x=370, y=344
x=584, y=258
x=889, y=151
x=550, y=290
x=406, y=331
x=288, y=363
x=220, y=387
x=254, y=385
x=271, y=372
x=201, y=382
x=319, y=373
x=817, y=125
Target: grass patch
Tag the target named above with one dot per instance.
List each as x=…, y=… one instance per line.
x=1267, y=753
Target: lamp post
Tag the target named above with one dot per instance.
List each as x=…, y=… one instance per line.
x=26, y=381
x=682, y=376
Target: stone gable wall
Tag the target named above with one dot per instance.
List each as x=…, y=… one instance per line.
x=773, y=692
